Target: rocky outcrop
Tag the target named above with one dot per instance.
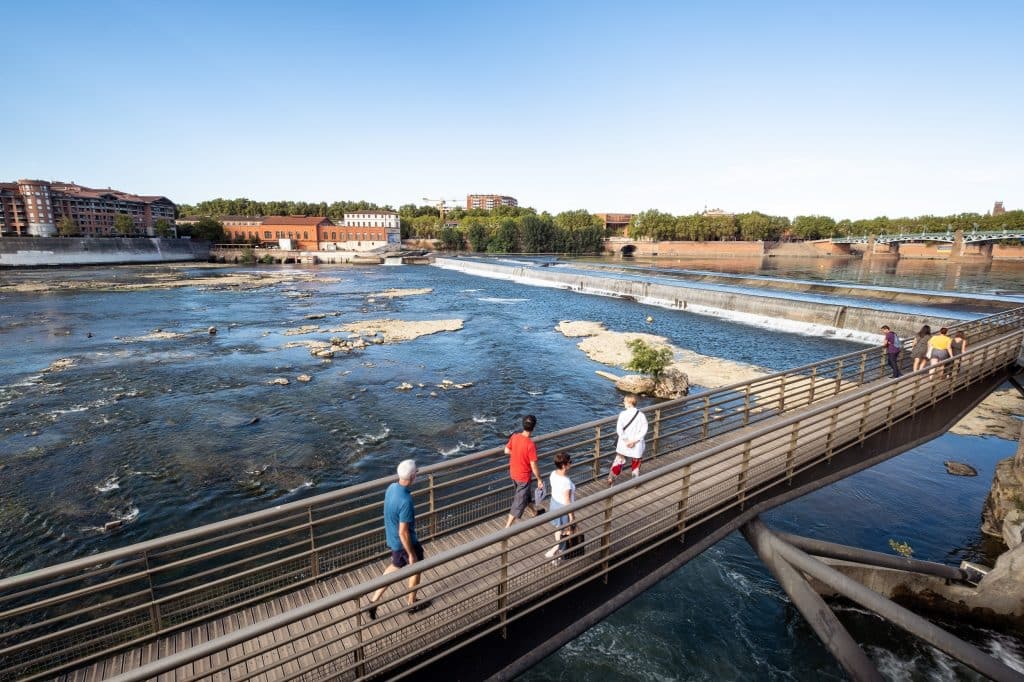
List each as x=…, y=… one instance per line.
x=1005, y=503
x=670, y=384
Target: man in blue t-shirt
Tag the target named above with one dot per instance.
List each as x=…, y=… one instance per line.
x=400, y=533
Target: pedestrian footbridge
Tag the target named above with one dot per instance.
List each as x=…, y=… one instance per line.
x=281, y=594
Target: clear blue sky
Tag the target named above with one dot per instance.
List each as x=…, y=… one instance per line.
x=846, y=109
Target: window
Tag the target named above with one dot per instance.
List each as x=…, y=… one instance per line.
x=305, y=235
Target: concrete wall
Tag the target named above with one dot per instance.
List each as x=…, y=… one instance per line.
x=695, y=249
x=1003, y=252
x=46, y=251
x=764, y=308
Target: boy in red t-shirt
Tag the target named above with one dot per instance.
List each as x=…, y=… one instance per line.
x=522, y=467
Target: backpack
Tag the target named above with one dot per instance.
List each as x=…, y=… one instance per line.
x=897, y=344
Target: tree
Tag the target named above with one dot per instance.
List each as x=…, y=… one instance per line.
x=207, y=229
x=67, y=227
x=648, y=359
x=163, y=228
x=123, y=224
x=652, y=224
x=451, y=239
x=477, y=234
x=505, y=238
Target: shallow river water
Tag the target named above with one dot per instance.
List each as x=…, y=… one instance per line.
x=163, y=434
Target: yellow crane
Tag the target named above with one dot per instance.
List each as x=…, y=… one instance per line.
x=441, y=204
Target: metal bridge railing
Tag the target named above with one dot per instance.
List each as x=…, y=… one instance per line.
x=481, y=586
x=61, y=617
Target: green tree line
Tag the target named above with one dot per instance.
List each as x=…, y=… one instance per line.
x=248, y=207
x=753, y=226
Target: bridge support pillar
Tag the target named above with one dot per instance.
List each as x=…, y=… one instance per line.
x=812, y=607
x=798, y=561
x=956, y=254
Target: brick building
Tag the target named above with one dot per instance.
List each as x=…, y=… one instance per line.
x=36, y=207
x=304, y=231
x=363, y=230
x=615, y=224
x=488, y=201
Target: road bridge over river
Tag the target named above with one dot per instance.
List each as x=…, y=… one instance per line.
x=282, y=594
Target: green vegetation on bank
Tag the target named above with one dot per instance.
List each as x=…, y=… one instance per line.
x=515, y=229
x=756, y=226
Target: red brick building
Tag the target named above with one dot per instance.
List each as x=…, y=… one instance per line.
x=302, y=230
x=37, y=207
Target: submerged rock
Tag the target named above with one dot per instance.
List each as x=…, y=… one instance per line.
x=959, y=468
x=280, y=381
x=304, y=378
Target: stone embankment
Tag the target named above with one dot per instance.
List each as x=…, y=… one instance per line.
x=62, y=251
x=760, y=309
x=1003, y=514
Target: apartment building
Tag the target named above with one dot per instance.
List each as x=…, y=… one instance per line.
x=37, y=207
x=488, y=201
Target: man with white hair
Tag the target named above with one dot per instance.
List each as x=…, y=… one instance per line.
x=400, y=531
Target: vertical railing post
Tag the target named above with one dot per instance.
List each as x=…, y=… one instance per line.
x=814, y=376
x=831, y=434
x=839, y=376
x=503, y=590
x=684, y=502
x=746, y=405
x=863, y=365
x=657, y=433
x=359, y=655
x=314, y=555
x=606, y=537
x=432, y=506
x=741, y=483
x=597, y=453
x=154, y=607
x=705, y=427
x=864, y=419
x=791, y=454
x=782, y=393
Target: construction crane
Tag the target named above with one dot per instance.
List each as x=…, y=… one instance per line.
x=441, y=204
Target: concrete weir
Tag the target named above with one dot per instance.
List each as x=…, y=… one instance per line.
x=841, y=320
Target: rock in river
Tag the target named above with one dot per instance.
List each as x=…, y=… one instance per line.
x=959, y=468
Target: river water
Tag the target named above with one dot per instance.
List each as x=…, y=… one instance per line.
x=167, y=434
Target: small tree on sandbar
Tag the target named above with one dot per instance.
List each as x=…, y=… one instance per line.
x=648, y=359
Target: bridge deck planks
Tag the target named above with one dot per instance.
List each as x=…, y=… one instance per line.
x=631, y=512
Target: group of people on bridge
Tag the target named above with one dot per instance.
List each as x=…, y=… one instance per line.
x=400, y=514
x=928, y=349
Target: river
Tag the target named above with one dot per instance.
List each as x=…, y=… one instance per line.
x=165, y=430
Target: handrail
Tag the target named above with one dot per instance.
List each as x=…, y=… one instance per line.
x=192, y=574
x=527, y=527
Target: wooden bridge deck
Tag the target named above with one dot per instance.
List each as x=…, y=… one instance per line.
x=455, y=594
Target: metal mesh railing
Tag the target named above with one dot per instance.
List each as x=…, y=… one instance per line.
x=64, y=616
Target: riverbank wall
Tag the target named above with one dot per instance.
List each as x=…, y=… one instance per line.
x=763, y=310
x=24, y=252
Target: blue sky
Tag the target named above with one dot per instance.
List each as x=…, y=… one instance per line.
x=845, y=109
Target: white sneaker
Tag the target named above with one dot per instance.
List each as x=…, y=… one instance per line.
x=551, y=552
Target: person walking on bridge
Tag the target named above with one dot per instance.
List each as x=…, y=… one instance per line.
x=920, y=351
x=631, y=428
x=892, y=350
x=940, y=348
x=400, y=533
x=522, y=468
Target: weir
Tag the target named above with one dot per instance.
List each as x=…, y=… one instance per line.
x=281, y=594
x=764, y=307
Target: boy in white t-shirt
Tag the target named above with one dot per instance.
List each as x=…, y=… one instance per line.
x=632, y=428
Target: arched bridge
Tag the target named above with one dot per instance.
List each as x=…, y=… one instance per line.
x=281, y=594
x=946, y=237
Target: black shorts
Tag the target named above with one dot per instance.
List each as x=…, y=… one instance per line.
x=400, y=559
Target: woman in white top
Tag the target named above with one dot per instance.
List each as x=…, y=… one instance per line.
x=563, y=493
x=632, y=428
